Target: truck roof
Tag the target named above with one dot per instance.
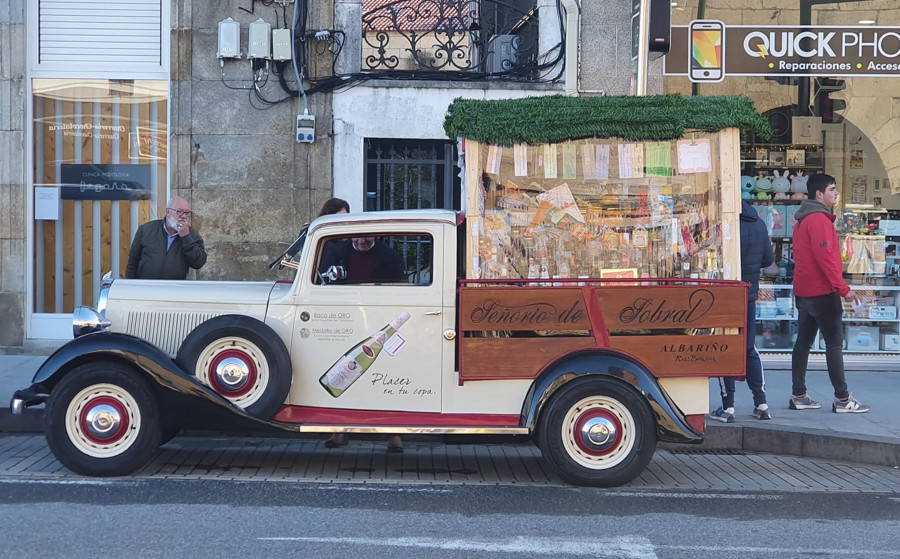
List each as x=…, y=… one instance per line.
x=441, y=216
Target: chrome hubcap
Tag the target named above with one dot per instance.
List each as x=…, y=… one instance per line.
x=232, y=373
x=102, y=421
x=598, y=433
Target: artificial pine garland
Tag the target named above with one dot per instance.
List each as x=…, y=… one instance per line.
x=556, y=118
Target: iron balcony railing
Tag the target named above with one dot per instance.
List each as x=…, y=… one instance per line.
x=459, y=39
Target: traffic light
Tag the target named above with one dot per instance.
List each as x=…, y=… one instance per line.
x=823, y=105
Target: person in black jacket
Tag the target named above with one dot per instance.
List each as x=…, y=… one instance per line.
x=756, y=257
x=166, y=248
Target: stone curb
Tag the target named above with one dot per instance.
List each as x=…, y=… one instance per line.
x=808, y=443
x=31, y=420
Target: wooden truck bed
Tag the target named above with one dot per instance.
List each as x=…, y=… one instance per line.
x=675, y=327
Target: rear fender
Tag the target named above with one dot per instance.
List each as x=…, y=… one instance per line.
x=671, y=425
x=133, y=351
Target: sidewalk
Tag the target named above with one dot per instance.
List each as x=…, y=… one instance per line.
x=872, y=438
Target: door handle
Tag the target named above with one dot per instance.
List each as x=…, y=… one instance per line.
x=433, y=313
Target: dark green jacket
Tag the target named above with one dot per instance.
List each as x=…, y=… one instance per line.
x=148, y=258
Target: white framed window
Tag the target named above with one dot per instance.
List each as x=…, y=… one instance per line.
x=123, y=37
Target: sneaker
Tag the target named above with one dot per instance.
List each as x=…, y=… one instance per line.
x=803, y=403
x=762, y=412
x=723, y=415
x=850, y=405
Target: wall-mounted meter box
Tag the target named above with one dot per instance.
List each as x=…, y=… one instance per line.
x=281, y=44
x=259, y=36
x=229, y=39
x=306, y=128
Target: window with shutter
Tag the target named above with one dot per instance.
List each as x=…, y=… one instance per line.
x=98, y=34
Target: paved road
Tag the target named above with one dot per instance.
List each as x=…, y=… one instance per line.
x=207, y=519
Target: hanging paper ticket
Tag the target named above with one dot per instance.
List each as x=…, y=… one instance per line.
x=568, y=155
x=659, y=159
x=625, y=167
x=550, y=171
x=493, y=159
x=602, y=162
x=694, y=156
x=588, y=157
x=520, y=157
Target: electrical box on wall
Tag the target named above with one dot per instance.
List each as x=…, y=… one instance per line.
x=306, y=128
x=229, y=39
x=281, y=44
x=259, y=36
x=659, y=35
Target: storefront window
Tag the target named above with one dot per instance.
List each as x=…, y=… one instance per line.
x=830, y=97
x=99, y=172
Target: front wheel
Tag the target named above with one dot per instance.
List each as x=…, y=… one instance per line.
x=103, y=420
x=597, y=432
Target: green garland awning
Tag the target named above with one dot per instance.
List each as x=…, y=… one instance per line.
x=556, y=118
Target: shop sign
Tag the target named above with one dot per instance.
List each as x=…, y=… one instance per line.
x=636, y=308
x=513, y=309
x=784, y=50
x=105, y=182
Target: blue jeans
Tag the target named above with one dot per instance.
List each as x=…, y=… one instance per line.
x=755, y=378
x=823, y=313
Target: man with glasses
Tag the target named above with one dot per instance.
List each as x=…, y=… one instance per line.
x=166, y=248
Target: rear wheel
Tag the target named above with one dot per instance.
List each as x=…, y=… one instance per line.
x=597, y=432
x=102, y=419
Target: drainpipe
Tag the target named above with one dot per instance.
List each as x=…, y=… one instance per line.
x=571, y=8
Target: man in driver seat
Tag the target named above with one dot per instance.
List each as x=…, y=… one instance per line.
x=366, y=261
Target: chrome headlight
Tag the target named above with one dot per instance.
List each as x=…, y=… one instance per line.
x=86, y=320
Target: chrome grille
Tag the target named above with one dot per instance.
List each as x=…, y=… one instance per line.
x=165, y=329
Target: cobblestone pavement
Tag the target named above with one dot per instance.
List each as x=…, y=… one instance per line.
x=26, y=456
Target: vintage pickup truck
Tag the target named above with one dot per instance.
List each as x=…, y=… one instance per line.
x=595, y=371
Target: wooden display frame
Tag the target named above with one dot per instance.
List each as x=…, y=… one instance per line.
x=715, y=344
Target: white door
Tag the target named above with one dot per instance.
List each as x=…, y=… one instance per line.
x=372, y=345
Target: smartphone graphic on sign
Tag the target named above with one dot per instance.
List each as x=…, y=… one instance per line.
x=707, y=51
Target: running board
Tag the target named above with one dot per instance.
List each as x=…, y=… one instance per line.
x=400, y=430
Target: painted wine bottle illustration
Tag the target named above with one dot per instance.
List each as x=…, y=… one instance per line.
x=355, y=362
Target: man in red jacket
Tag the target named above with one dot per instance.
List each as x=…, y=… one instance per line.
x=818, y=288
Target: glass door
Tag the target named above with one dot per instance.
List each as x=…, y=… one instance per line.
x=100, y=154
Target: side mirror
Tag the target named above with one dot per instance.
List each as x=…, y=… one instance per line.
x=333, y=274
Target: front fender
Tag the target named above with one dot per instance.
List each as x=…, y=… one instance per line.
x=125, y=348
x=670, y=422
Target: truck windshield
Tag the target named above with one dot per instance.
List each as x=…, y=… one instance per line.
x=293, y=250
x=297, y=245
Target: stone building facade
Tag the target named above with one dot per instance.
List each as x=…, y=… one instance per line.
x=250, y=184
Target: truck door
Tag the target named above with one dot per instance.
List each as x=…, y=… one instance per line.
x=372, y=340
